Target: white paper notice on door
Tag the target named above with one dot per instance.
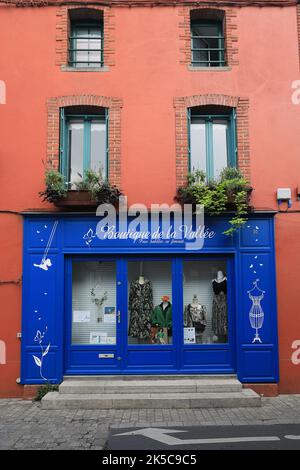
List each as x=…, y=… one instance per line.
x=98, y=338
x=109, y=314
x=81, y=316
x=189, y=336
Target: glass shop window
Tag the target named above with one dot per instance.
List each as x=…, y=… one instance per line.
x=205, y=302
x=94, y=303
x=150, y=302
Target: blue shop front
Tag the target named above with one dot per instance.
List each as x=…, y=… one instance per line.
x=123, y=305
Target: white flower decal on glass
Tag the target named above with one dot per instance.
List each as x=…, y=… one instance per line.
x=44, y=351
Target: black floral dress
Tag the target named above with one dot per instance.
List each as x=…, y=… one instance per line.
x=140, y=309
x=219, y=308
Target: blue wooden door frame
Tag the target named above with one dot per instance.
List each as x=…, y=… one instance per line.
x=176, y=351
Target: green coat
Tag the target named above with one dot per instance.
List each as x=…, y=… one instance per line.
x=162, y=318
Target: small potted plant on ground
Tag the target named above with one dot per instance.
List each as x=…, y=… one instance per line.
x=231, y=192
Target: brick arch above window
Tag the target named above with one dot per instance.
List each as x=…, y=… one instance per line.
x=114, y=106
x=229, y=18
x=63, y=29
x=182, y=104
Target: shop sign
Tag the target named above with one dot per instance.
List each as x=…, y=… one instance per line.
x=162, y=224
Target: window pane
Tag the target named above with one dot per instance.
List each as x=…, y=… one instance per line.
x=198, y=145
x=150, y=302
x=88, y=39
x=220, y=152
x=95, y=48
x=94, y=303
x=205, y=30
x=76, y=131
x=207, y=37
x=205, y=302
x=201, y=58
x=82, y=32
x=98, y=147
x=95, y=32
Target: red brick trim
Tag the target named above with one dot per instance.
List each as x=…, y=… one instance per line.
x=63, y=28
x=242, y=109
x=230, y=29
x=114, y=132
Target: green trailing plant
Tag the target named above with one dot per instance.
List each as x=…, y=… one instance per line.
x=44, y=389
x=106, y=192
x=89, y=181
x=101, y=191
x=55, y=186
x=230, y=192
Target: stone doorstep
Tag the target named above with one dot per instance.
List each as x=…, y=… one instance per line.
x=245, y=398
x=190, y=385
x=149, y=377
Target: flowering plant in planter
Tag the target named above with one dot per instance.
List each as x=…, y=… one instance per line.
x=231, y=192
x=91, y=189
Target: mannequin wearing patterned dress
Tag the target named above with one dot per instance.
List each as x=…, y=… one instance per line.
x=219, y=307
x=195, y=317
x=140, y=308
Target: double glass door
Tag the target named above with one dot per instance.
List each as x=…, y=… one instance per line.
x=130, y=315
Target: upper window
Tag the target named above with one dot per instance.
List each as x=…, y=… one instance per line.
x=212, y=141
x=83, y=141
x=207, y=38
x=86, y=39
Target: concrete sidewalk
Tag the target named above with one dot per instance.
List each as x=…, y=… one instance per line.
x=24, y=425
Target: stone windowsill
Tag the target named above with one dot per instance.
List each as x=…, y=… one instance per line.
x=67, y=68
x=194, y=68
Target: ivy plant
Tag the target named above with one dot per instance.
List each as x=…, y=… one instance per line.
x=231, y=192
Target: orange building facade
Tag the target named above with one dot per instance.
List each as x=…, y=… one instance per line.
x=148, y=82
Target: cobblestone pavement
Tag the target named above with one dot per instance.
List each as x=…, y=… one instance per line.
x=24, y=425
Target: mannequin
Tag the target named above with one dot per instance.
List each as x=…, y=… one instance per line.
x=140, y=307
x=161, y=316
x=195, y=317
x=219, y=308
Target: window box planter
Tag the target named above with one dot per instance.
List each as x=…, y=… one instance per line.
x=76, y=198
x=231, y=206
x=231, y=192
x=90, y=192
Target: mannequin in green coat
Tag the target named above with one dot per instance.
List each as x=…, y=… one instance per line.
x=162, y=314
